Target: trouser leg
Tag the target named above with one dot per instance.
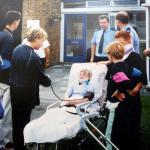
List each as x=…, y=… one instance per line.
x=21, y=109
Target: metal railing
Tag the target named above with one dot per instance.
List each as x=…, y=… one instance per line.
x=103, y=3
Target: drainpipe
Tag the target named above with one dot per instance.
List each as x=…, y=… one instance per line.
x=147, y=5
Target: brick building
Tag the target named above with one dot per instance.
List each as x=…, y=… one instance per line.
x=48, y=14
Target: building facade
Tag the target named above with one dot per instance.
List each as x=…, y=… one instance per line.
x=70, y=24
x=79, y=19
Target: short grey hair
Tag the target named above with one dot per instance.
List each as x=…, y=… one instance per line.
x=103, y=17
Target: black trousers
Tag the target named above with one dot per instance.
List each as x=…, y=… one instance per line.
x=126, y=126
x=36, y=96
x=22, y=102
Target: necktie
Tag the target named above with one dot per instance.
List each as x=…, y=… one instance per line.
x=101, y=43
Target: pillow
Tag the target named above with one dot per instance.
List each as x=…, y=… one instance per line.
x=98, y=83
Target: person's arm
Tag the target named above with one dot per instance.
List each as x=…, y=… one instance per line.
x=133, y=92
x=46, y=45
x=93, y=47
x=47, y=59
x=93, y=50
x=146, y=52
x=136, y=89
x=119, y=96
x=89, y=95
x=136, y=43
x=135, y=40
x=69, y=92
x=43, y=79
x=103, y=62
x=6, y=49
x=75, y=102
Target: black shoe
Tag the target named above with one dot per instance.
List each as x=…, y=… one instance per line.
x=9, y=145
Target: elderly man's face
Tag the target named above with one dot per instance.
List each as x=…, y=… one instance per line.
x=103, y=23
x=84, y=75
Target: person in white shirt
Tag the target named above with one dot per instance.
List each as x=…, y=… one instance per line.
x=43, y=53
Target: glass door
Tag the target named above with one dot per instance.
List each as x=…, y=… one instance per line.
x=75, y=38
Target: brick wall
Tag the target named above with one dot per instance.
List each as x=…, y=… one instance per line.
x=6, y=5
x=44, y=10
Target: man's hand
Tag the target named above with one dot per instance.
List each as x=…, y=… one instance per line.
x=146, y=52
x=119, y=96
x=134, y=92
x=47, y=64
x=93, y=50
x=92, y=59
x=136, y=89
x=65, y=103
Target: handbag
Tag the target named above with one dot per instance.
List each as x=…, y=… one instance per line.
x=4, y=64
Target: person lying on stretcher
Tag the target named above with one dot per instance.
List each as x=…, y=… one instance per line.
x=80, y=91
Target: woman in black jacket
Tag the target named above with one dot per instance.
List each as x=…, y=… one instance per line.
x=126, y=125
x=26, y=73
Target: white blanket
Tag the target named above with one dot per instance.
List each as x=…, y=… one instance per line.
x=54, y=125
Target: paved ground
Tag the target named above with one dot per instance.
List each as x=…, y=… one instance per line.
x=59, y=75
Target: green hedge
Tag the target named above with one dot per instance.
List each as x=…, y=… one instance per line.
x=145, y=123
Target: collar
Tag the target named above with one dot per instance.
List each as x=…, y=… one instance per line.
x=108, y=29
x=128, y=49
x=86, y=82
x=8, y=30
x=126, y=27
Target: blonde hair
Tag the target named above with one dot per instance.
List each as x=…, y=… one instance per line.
x=116, y=50
x=87, y=72
x=36, y=33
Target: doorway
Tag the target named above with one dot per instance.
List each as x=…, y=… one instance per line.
x=75, y=38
